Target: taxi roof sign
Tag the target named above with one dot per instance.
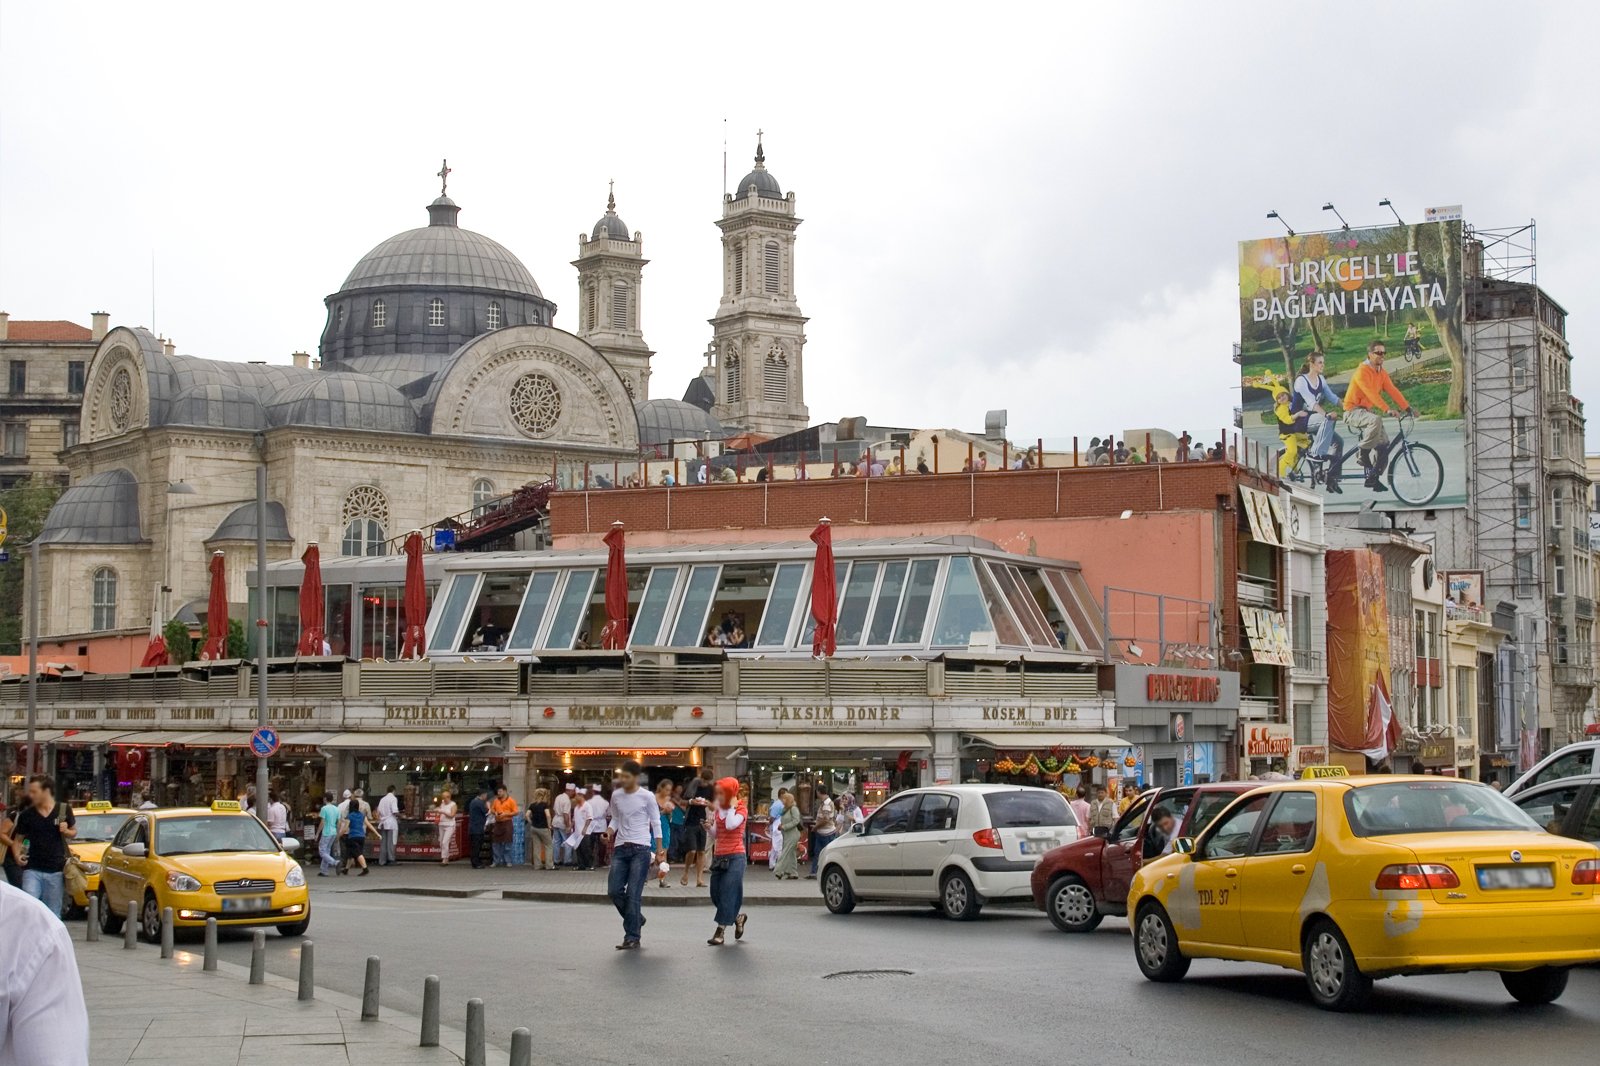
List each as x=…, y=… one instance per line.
x=1310, y=772
x=226, y=805
x=97, y=805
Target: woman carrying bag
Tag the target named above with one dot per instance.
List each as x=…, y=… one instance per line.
x=728, y=815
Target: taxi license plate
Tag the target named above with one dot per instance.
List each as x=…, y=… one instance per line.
x=1491, y=878
x=1035, y=847
x=245, y=904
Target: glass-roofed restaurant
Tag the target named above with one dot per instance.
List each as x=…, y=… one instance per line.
x=950, y=652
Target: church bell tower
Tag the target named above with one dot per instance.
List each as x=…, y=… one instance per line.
x=610, y=269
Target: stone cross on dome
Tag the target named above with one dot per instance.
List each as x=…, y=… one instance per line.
x=443, y=176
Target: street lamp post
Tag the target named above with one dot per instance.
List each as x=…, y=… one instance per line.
x=261, y=627
x=33, y=654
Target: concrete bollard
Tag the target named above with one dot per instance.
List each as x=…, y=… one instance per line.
x=167, y=934
x=477, y=1052
x=369, y=991
x=521, y=1047
x=211, y=945
x=92, y=930
x=130, y=928
x=430, y=1012
x=308, y=987
x=258, y=957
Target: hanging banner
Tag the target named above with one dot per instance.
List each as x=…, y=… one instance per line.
x=1268, y=635
x=1358, y=646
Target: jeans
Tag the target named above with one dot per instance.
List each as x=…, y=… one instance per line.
x=818, y=842
x=388, y=837
x=46, y=888
x=630, y=866
x=727, y=888
x=563, y=855
x=325, y=845
x=501, y=853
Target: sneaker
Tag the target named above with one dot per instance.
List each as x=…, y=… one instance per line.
x=628, y=945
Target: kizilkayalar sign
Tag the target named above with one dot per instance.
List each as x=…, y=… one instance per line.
x=1353, y=362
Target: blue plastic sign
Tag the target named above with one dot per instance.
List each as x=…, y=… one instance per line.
x=264, y=742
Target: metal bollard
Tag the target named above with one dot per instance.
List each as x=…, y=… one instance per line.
x=308, y=987
x=258, y=957
x=166, y=932
x=369, y=991
x=430, y=1012
x=211, y=945
x=92, y=930
x=477, y=1054
x=130, y=928
x=521, y=1047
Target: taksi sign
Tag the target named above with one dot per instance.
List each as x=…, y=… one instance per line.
x=1270, y=741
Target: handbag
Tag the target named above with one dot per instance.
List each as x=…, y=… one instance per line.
x=721, y=864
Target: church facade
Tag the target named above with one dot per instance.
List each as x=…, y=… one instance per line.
x=442, y=384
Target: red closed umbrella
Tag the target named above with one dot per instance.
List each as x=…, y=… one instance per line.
x=615, y=635
x=415, y=603
x=824, y=596
x=312, y=622
x=216, y=645
x=155, y=653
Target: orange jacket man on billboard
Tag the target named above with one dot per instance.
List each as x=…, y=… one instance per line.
x=1364, y=410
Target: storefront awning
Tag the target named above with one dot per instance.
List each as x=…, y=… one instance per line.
x=154, y=738
x=92, y=736
x=817, y=741
x=40, y=736
x=406, y=740
x=613, y=741
x=302, y=739
x=1049, y=740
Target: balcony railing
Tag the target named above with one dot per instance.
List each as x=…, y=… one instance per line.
x=1580, y=540
x=1262, y=591
x=1259, y=709
x=1583, y=606
x=1308, y=660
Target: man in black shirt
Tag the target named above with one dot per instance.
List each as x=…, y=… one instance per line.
x=39, y=842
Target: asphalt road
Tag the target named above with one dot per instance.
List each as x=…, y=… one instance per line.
x=1006, y=988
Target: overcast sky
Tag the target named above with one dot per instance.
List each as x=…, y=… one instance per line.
x=1033, y=208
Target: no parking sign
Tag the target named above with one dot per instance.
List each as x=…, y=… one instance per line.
x=264, y=742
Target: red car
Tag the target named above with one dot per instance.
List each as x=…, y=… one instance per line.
x=1080, y=883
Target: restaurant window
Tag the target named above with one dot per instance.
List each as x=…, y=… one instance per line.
x=381, y=622
x=690, y=629
x=105, y=600
x=76, y=377
x=1005, y=627
x=338, y=618
x=779, y=612
x=1082, y=612
x=961, y=611
x=854, y=603
x=808, y=635
x=1024, y=606
x=452, y=612
x=659, y=587
x=913, y=621
x=535, y=605
x=572, y=610
x=890, y=590
x=500, y=596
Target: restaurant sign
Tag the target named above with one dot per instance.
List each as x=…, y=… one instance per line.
x=423, y=714
x=1168, y=688
x=1271, y=740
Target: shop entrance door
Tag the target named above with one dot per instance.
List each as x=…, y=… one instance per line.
x=1166, y=773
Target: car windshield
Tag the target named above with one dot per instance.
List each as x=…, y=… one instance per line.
x=98, y=828
x=1030, y=807
x=206, y=833
x=1441, y=806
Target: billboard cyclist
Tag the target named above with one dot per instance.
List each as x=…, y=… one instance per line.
x=1364, y=408
x=1311, y=391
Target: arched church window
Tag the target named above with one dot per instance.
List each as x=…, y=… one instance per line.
x=366, y=516
x=619, y=305
x=775, y=377
x=493, y=315
x=435, y=312
x=340, y=318
x=732, y=378
x=104, y=600
x=380, y=314
x=772, y=266
x=482, y=493
x=738, y=271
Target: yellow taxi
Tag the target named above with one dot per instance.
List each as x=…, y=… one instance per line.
x=203, y=862
x=97, y=823
x=1351, y=879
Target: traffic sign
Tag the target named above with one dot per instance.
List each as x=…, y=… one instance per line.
x=264, y=742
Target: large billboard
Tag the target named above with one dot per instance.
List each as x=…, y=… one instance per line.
x=1379, y=312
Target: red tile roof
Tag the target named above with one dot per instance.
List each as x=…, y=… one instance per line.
x=49, y=330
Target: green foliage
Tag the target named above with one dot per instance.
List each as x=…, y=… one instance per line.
x=180, y=644
x=237, y=646
x=26, y=505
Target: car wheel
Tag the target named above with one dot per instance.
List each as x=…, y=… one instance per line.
x=836, y=891
x=150, y=919
x=110, y=922
x=958, y=898
x=1536, y=987
x=1335, y=981
x=297, y=929
x=1155, y=945
x=1071, y=905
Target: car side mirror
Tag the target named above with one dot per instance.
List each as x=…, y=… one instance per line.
x=134, y=851
x=1183, y=846
x=290, y=845
x=859, y=829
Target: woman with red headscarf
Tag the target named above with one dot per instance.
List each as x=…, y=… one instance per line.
x=728, y=859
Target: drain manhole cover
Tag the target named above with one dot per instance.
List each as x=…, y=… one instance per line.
x=864, y=975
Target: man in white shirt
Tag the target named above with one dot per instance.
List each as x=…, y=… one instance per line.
x=561, y=823
x=596, y=812
x=43, y=1021
x=635, y=834
x=388, y=826
x=277, y=817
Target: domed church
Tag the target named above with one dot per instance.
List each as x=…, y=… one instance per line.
x=442, y=383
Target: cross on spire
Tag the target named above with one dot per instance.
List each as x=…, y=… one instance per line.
x=443, y=176
x=611, y=196
x=761, y=153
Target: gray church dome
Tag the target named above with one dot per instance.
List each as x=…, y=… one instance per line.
x=610, y=225
x=103, y=508
x=216, y=404
x=662, y=421
x=766, y=185
x=442, y=254
x=343, y=401
x=241, y=524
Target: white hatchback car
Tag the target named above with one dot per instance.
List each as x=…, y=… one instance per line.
x=1574, y=760
x=955, y=846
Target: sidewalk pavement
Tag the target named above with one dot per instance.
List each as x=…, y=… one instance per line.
x=144, y=1009
x=459, y=880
